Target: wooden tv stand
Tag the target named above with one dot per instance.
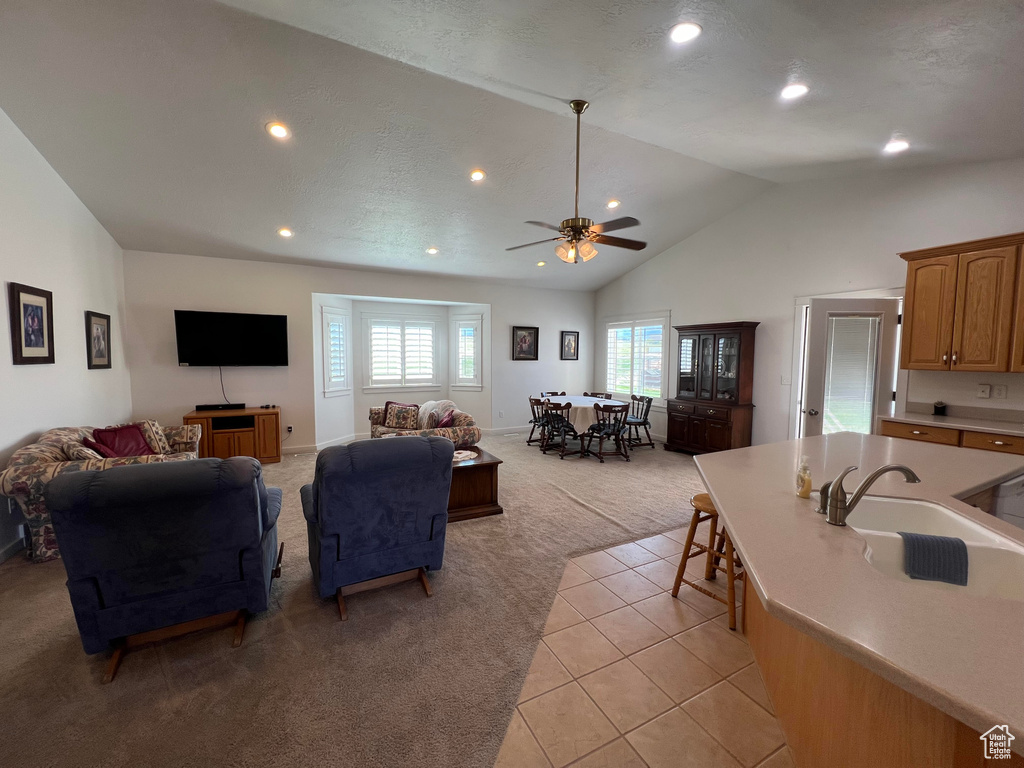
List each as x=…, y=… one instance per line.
x=252, y=432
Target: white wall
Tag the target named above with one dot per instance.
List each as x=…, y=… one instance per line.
x=157, y=284
x=808, y=239
x=51, y=241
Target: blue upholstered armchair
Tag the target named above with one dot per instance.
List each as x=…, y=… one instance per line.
x=377, y=508
x=155, y=545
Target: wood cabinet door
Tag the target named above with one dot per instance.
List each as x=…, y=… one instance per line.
x=986, y=283
x=698, y=433
x=1017, y=352
x=204, y=436
x=267, y=438
x=928, y=311
x=677, y=429
x=719, y=435
x=223, y=445
x=245, y=443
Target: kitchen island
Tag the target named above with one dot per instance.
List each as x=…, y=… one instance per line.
x=864, y=668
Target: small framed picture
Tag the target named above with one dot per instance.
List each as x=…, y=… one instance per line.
x=524, y=342
x=31, y=324
x=570, y=345
x=97, y=339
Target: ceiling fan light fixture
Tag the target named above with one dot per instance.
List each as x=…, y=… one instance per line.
x=566, y=252
x=587, y=251
x=685, y=32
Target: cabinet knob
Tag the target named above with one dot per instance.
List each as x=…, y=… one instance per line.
x=917, y=432
x=999, y=442
x=954, y=358
x=711, y=411
x=945, y=357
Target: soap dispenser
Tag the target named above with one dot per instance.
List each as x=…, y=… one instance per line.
x=803, y=478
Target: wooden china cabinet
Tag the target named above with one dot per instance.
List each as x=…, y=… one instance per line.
x=712, y=409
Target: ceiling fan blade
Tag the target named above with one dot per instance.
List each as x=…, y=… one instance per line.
x=611, y=226
x=547, y=226
x=620, y=242
x=527, y=245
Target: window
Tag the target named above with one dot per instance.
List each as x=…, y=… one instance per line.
x=401, y=353
x=335, y=340
x=466, y=352
x=636, y=350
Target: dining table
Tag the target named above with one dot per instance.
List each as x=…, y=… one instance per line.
x=582, y=413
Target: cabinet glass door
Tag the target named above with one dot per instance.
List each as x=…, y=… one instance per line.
x=687, y=367
x=727, y=367
x=706, y=368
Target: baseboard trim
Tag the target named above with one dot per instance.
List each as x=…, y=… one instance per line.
x=505, y=430
x=292, y=450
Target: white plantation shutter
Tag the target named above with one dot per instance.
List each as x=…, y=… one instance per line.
x=385, y=352
x=466, y=351
x=335, y=341
x=419, y=352
x=636, y=351
x=402, y=353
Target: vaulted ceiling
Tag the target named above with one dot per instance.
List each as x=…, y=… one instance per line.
x=154, y=114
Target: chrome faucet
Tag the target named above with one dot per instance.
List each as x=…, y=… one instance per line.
x=834, y=503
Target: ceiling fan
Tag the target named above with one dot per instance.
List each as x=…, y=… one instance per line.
x=577, y=235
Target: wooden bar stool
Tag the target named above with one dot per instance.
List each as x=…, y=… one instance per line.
x=718, y=548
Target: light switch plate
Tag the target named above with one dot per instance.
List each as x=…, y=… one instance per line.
x=985, y=390
x=999, y=391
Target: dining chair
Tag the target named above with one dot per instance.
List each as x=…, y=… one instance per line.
x=639, y=416
x=610, y=425
x=604, y=395
x=559, y=430
x=552, y=394
x=539, y=421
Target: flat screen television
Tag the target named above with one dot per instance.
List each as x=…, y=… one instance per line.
x=230, y=338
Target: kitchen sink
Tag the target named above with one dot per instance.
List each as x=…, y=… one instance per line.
x=996, y=563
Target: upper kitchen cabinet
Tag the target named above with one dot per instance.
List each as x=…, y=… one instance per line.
x=959, y=309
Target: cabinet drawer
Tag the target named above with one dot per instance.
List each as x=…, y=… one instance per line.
x=675, y=406
x=716, y=412
x=921, y=432
x=987, y=441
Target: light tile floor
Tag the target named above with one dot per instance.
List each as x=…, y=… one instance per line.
x=626, y=676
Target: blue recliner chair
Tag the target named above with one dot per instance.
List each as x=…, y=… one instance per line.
x=377, y=508
x=151, y=546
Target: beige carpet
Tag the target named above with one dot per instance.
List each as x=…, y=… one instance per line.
x=406, y=681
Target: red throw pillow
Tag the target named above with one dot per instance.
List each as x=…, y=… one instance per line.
x=128, y=440
x=101, y=449
x=448, y=420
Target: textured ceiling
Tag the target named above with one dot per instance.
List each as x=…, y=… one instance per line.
x=948, y=74
x=154, y=114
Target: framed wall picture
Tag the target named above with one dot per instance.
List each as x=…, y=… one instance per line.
x=97, y=339
x=570, y=345
x=31, y=324
x=524, y=342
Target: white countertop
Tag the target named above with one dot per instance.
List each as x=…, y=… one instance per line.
x=1013, y=428
x=962, y=653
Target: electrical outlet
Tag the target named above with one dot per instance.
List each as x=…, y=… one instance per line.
x=289, y=429
x=501, y=414
x=984, y=390
x=999, y=391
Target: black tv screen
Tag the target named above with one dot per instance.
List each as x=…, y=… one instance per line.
x=230, y=338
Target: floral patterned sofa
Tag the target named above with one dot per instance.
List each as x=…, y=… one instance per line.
x=61, y=450
x=463, y=432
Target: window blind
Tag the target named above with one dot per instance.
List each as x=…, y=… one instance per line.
x=635, y=355
x=402, y=352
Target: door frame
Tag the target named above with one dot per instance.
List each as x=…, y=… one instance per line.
x=801, y=310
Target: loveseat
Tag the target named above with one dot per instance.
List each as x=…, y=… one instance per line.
x=61, y=450
x=463, y=430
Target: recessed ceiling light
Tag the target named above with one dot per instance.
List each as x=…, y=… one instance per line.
x=541, y=263
x=613, y=203
x=683, y=33
x=895, y=146
x=478, y=175
x=285, y=232
x=431, y=251
x=794, y=91
x=278, y=130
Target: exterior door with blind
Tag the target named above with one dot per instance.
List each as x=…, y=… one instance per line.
x=849, y=365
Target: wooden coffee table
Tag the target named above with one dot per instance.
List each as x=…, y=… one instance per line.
x=474, y=491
